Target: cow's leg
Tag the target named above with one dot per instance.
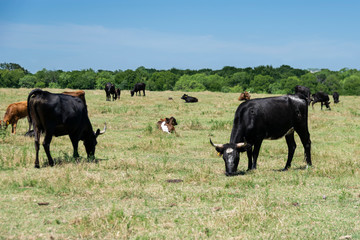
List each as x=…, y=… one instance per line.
x=313, y=104
x=46, y=145
x=37, y=139
x=322, y=105
x=290, y=141
x=144, y=92
x=29, y=123
x=13, y=128
x=249, y=155
x=256, y=153
x=306, y=142
x=75, y=143
x=328, y=105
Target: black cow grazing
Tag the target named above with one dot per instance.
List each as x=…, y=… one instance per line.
x=303, y=92
x=110, y=90
x=58, y=115
x=336, y=97
x=117, y=93
x=321, y=97
x=138, y=88
x=266, y=118
x=189, y=99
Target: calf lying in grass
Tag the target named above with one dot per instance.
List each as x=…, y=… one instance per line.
x=167, y=124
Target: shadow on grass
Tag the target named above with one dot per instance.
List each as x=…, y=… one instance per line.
x=235, y=174
x=296, y=169
x=67, y=159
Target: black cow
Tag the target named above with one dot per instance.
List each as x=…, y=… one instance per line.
x=321, y=97
x=110, y=90
x=336, y=97
x=303, y=92
x=138, y=88
x=266, y=118
x=117, y=93
x=189, y=99
x=58, y=115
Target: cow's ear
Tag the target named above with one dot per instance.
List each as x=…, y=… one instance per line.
x=219, y=150
x=97, y=132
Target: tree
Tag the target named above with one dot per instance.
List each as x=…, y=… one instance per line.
x=27, y=81
x=10, y=78
x=126, y=79
x=13, y=66
x=332, y=83
x=285, y=85
x=84, y=79
x=261, y=83
x=189, y=84
x=240, y=78
x=352, y=85
x=161, y=81
x=309, y=80
x=104, y=77
x=212, y=83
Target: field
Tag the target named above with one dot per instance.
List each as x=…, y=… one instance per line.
x=146, y=184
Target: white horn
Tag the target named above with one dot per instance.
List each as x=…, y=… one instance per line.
x=216, y=145
x=103, y=131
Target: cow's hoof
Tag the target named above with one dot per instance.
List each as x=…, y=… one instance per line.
x=285, y=169
x=37, y=166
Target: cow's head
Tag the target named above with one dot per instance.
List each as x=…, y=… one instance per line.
x=171, y=121
x=327, y=104
x=4, y=124
x=184, y=96
x=231, y=155
x=90, y=142
x=132, y=93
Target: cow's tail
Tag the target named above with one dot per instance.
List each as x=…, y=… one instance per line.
x=31, y=94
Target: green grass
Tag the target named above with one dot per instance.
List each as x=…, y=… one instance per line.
x=126, y=194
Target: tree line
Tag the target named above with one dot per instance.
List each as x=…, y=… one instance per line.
x=261, y=79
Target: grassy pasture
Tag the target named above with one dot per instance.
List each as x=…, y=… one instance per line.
x=131, y=192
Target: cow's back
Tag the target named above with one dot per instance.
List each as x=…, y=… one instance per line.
x=267, y=118
x=139, y=86
x=63, y=112
x=16, y=110
x=80, y=94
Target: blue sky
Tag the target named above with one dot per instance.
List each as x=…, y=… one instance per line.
x=127, y=34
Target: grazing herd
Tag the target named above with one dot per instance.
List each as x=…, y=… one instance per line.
x=255, y=120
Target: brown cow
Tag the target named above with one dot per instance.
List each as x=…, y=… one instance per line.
x=14, y=113
x=244, y=96
x=167, y=124
x=79, y=93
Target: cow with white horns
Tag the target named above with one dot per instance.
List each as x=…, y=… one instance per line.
x=59, y=115
x=266, y=118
